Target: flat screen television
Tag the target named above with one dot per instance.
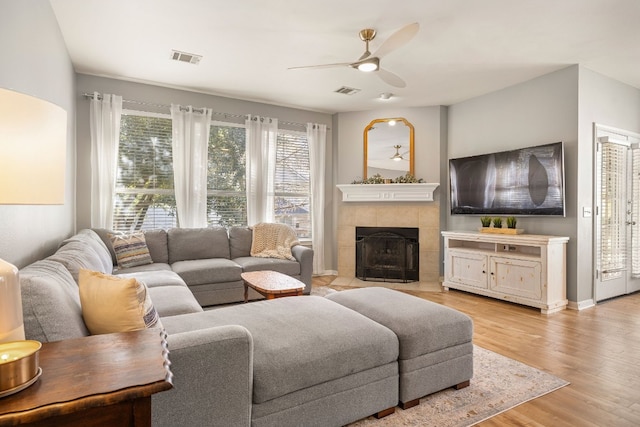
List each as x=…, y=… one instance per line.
x=526, y=181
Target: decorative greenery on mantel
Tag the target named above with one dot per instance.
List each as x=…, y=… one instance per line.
x=378, y=179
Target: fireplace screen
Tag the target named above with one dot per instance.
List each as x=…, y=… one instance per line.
x=388, y=254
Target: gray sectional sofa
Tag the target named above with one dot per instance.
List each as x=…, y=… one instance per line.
x=295, y=361
x=210, y=261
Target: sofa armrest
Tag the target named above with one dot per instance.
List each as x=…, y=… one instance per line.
x=304, y=256
x=212, y=379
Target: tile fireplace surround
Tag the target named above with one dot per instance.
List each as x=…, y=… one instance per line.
x=424, y=216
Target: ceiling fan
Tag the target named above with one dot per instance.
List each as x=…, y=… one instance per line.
x=369, y=62
x=397, y=156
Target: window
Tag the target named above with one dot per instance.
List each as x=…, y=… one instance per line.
x=226, y=195
x=291, y=185
x=145, y=197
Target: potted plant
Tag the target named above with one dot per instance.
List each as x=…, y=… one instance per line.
x=497, y=222
x=486, y=221
x=511, y=222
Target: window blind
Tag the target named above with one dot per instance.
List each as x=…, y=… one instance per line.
x=612, y=248
x=292, y=184
x=635, y=211
x=226, y=183
x=145, y=196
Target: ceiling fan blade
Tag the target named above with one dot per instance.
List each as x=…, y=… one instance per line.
x=338, y=64
x=391, y=79
x=397, y=39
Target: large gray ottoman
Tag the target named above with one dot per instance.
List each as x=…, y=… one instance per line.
x=436, y=348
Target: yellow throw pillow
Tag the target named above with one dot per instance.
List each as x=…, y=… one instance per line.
x=114, y=304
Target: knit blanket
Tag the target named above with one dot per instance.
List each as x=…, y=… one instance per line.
x=272, y=240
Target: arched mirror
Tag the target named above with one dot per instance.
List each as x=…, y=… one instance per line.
x=388, y=148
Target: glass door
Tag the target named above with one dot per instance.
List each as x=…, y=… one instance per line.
x=617, y=225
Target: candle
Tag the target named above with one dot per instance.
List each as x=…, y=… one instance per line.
x=16, y=350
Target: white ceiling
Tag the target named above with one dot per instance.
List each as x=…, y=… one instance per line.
x=464, y=48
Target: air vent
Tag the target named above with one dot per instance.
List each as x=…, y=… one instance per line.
x=191, y=58
x=347, y=90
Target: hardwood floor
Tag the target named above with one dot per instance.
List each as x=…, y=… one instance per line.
x=597, y=350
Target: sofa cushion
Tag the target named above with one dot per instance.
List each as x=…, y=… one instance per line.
x=422, y=326
x=157, y=244
x=114, y=304
x=104, y=234
x=96, y=243
x=156, y=266
x=240, y=239
x=299, y=342
x=50, y=303
x=205, y=271
x=131, y=249
x=156, y=278
x=77, y=255
x=197, y=243
x=171, y=300
x=291, y=268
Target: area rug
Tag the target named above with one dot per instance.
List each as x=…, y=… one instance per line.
x=322, y=291
x=499, y=383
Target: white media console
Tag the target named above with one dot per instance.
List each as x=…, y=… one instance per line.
x=527, y=269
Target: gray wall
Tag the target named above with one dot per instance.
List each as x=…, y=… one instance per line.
x=606, y=102
x=540, y=111
x=350, y=141
x=161, y=95
x=35, y=62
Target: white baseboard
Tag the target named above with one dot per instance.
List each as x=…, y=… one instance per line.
x=581, y=305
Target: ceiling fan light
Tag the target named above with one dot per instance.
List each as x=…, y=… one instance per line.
x=397, y=156
x=367, y=66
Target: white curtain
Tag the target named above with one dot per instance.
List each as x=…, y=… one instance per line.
x=317, y=140
x=190, y=131
x=261, y=138
x=104, y=112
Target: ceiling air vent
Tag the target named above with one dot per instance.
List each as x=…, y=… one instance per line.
x=347, y=90
x=191, y=58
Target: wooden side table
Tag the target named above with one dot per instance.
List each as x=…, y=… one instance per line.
x=271, y=284
x=100, y=380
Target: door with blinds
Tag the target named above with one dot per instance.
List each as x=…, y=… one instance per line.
x=617, y=225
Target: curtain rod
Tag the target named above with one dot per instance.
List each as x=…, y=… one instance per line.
x=228, y=115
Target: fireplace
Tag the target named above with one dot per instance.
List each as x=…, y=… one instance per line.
x=388, y=254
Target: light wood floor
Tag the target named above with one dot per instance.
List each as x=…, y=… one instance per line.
x=597, y=350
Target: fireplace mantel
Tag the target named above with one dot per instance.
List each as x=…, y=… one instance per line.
x=422, y=192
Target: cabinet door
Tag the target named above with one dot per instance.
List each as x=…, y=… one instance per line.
x=516, y=277
x=467, y=268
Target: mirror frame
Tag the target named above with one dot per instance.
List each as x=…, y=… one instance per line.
x=411, y=142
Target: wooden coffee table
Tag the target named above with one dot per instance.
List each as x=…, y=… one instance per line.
x=271, y=284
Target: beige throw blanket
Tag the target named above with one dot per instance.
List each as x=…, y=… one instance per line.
x=273, y=241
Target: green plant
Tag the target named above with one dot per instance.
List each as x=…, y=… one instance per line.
x=511, y=222
x=407, y=179
x=379, y=179
x=497, y=222
x=486, y=221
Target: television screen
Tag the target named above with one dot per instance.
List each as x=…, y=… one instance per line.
x=526, y=181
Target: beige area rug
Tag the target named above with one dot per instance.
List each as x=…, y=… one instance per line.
x=499, y=384
x=322, y=291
